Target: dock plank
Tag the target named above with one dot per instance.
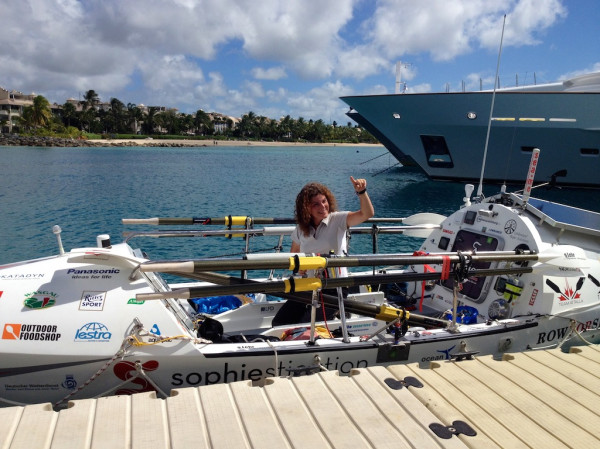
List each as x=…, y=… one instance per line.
x=149, y=422
x=261, y=426
x=299, y=426
x=112, y=423
x=345, y=394
x=222, y=417
x=9, y=421
x=187, y=422
x=35, y=428
x=75, y=425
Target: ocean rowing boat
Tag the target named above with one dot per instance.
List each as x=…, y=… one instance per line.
x=504, y=274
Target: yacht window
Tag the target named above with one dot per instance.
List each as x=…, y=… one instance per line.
x=589, y=151
x=436, y=151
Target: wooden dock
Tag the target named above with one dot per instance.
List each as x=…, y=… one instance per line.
x=542, y=399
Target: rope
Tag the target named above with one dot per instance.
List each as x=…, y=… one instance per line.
x=132, y=340
x=275, y=351
x=119, y=354
x=573, y=327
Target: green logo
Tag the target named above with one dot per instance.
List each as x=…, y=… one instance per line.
x=40, y=300
x=136, y=301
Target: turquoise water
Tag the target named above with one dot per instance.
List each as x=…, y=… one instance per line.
x=87, y=191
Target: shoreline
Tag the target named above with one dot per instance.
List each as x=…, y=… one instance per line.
x=16, y=140
x=225, y=143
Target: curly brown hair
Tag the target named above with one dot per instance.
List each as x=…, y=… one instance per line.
x=302, y=211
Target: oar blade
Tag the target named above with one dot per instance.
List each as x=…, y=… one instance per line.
x=424, y=218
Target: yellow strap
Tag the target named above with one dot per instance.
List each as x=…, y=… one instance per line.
x=307, y=263
x=235, y=221
x=302, y=284
x=389, y=313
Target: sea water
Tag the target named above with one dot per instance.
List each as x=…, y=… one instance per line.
x=87, y=191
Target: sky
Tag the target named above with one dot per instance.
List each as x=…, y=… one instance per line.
x=287, y=57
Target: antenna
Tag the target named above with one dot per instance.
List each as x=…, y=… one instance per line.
x=399, y=66
x=487, y=137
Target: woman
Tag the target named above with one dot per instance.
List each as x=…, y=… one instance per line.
x=320, y=228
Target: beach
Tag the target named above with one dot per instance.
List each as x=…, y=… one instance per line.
x=221, y=143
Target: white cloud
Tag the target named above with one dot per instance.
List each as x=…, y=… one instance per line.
x=272, y=73
x=447, y=29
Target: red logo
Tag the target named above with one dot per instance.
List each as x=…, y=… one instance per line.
x=533, y=296
x=126, y=370
x=569, y=293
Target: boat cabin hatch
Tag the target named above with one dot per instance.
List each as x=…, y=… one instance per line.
x=468, y=241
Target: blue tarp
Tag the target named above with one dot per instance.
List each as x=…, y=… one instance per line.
x=216, y=304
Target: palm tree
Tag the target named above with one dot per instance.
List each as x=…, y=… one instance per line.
x=90, y=100
x=117, y=114
x=42, y=114
x=285, y=127
x=134, y=117
x=202, y=122
x=247, y=125
x=69, y=111
x=149, y=119
x=38, y=114
x=89, y=104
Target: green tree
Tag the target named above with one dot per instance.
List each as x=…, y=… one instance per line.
x=69, y=112
x=247, y=125
x=117, y=116
x=135, y=117
x=202, y=123
x=149, y=121
x=38, y=115
x=90, y=99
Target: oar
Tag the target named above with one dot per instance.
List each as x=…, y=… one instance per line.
x=227, y=221
x=296, y=262
x=421, y=231
x=416, y=219
x=351, y=306
x=293, y=285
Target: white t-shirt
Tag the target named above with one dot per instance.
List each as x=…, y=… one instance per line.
x=330, y=235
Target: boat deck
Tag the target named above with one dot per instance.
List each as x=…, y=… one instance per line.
x=536, y=399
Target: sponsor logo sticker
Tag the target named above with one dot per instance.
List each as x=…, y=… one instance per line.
x=92, y=300
x=93, y=332
x=40, y=300
x=36, y=332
